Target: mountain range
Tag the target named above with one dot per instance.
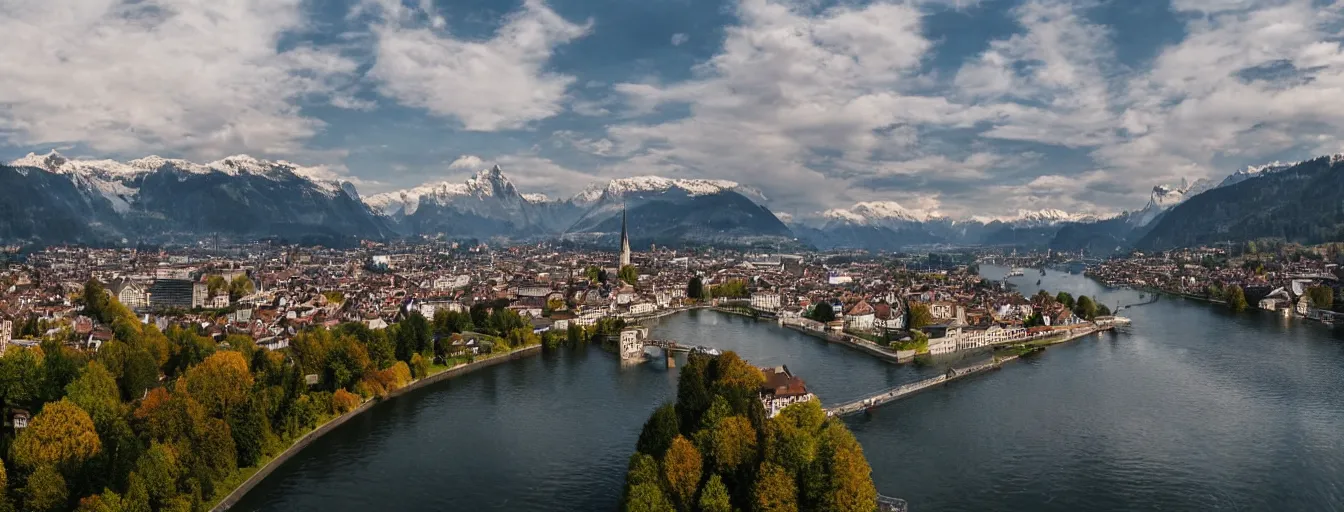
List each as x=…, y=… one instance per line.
x=52, y=199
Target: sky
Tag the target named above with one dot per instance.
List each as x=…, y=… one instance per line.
x=954, y=107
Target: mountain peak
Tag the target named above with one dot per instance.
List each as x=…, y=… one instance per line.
x=50, y=161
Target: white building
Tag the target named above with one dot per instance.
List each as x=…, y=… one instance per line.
x=6, y=334
x=765, y=301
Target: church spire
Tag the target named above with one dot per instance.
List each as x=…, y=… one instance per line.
x=625, y=239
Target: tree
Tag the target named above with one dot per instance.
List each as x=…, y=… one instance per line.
x=1066, y=299
x=60, y=367
x=240, y=287
x=658, y=432
x=159, y=471
x=61, y=435
x=1085, y=308
x=647, y=498
x=96, y=392
x=849, y=487
x=1321, y=297
x=1236, y=298
x=920, y=316
x=695, y=289
x=681, y=469
x=420, y=366
x=1102, y=310
x=220, y=383
x=822, y=312
x=20, y=376
x=629, y=274
x=45, y=490
x=734, y=443
x=775, y=490
x=714, y=497
x=343, y=401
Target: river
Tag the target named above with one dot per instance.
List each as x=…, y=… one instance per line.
x=1193, y=408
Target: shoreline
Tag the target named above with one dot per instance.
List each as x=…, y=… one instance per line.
x=237, y=494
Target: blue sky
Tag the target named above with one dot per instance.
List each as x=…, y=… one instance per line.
x=959, y=107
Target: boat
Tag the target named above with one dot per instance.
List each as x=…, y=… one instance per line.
x=1038, y=282
x=1015, y=272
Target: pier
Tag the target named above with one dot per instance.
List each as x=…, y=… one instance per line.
x=904, y=390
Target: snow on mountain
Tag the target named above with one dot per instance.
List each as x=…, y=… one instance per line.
x=487, y=183
x=536, y=198
x=1164, y=197
x=1046, y=217
x=97, y=173
x=695, y=187
x=876, y=213
x=1255, y=171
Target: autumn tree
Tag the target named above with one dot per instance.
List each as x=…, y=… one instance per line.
x=220, y=383
x=681, y=469
x=734, y=443
x=775, y=490
x=62, y=435
x=920, y=316
x=1236, y=298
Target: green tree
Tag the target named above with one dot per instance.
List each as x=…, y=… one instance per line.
x=159, y=471
x=681, y=470
x=775, y=490
x=714, y=497
x=1085, y=308
x=1066, y=299
x=21, y=376
x=629, y=274
x=659, y=431
x=1236, y=298
x=647, y=498
x=96, y=392
x=419, y=367
x=643, y=470
x=1321, y=297
x=822, y=312
x=1102, y=310
x=240, y=287
x=45, y=490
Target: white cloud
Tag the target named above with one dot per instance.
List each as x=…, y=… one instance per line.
x=680, y=38
x=199, y=77
x=490, y=85
x=467, y=162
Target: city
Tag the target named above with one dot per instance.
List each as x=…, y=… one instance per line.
x=671, y=256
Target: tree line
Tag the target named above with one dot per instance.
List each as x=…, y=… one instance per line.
x=165, y=420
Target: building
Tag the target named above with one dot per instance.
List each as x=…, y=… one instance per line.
x=200, y=295
x=131, y=294
x=860, y=317
x=625, y=240
x=782, y=389
x=6, y=334
x=765, y=301
x=171, y=293
x=632, y=343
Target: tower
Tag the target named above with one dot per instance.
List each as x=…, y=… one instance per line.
x=625, y=239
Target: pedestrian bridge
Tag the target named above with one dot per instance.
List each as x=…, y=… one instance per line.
x=904, y=390
x=672, y=346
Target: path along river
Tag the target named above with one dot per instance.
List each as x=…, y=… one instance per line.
x=1192, y=409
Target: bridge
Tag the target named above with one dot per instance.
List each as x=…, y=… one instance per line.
x=904, y=390
x=1325, y=277
x=672, y=346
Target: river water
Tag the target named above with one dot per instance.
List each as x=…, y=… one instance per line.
x=1192, y=409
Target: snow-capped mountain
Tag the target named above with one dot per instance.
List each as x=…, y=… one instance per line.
x=485, y=205
x=636, y=185
x=1164, y=197
x=1046, y=217
x=239, y=195
x=876, y=213
x=1255, y=171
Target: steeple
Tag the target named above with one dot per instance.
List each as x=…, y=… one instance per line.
x=625, y=239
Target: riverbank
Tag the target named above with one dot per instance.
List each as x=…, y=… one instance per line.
x=265, y=470
x=861, y=346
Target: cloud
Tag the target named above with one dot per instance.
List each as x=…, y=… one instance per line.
x=204, y=78
x=680, y=38
x=498, y=84
x=467, y=162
